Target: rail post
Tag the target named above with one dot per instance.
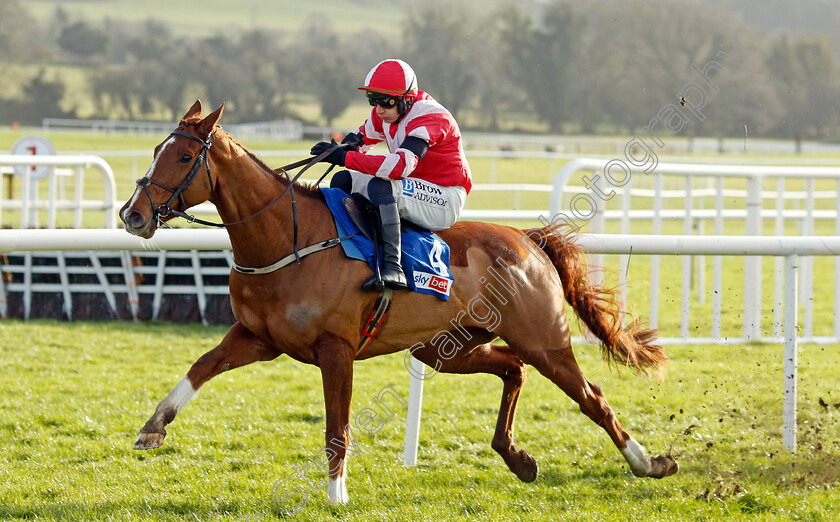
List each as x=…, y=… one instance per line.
x=791, y=308
x=752, y=264
x=412, y=420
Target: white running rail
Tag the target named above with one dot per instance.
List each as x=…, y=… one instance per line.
x=53, y=203
x=790, y=248
x=680, y=194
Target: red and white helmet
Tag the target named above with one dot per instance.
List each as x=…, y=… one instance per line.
x=391, y=77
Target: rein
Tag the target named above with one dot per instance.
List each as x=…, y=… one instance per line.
x=166, y=209
x=383, y=303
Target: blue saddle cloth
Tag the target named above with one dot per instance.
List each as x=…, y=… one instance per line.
x=425, y=257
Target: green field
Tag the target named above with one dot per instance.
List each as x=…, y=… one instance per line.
x=74, y=396
x=216, y=16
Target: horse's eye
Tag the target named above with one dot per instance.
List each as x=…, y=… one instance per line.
x=186, y=158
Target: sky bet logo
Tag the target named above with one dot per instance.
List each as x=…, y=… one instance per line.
x=432, y=282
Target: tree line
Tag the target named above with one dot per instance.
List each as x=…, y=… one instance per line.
x=566, y=65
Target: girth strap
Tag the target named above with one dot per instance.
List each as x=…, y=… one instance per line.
x=375, y=320
x=380, y=308
x=291, y=258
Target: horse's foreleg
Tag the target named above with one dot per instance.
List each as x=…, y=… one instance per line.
x=238, y=348
x=335, y=358
x=500, y=361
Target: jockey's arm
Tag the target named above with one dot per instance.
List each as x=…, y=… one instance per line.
x=396, y=165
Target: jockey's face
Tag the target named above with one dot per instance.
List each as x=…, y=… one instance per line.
x=389, y=115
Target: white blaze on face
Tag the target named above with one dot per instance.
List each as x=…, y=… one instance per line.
x=149, y=173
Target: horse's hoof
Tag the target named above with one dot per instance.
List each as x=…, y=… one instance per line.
x=528, y=469
x=149, y=441
x=662, y=466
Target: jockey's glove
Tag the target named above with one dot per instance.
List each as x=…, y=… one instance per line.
x=353, y=141
x=335, y=157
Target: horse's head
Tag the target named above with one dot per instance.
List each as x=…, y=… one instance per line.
x=179, y=176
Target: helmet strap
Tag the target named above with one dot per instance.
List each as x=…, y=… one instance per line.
x=404, y=104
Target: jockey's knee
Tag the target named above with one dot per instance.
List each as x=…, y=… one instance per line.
x=380, y=191
x=342, y=180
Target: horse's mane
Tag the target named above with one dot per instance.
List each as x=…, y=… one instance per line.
x=309, y=188
x=306, y=188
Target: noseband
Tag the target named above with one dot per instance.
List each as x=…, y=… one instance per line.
x=166, y=209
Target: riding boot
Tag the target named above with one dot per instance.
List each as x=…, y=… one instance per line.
x=390, y=268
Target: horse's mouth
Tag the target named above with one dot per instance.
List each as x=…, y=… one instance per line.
x=136, y=224
x=146, y=232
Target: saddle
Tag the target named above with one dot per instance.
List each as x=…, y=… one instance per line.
x=363, y=214
x=425, y=257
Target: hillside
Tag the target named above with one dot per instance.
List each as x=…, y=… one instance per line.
x=803, y=17
x=189, y=18
x=355, y=16
x=532, y=65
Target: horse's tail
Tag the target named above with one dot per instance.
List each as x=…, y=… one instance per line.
x=601, y=310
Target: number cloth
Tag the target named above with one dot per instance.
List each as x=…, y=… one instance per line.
x=425, y=257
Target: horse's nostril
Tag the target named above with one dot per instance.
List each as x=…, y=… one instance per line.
x=134, y=219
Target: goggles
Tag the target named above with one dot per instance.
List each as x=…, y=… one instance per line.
x=386, y=102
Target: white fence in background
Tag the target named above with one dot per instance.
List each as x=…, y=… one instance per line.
x=282, y=130
x=113, y=263
x=118, y=275
x=790, y=248
x=681, y=193
x=54, y=201
x=692, y=199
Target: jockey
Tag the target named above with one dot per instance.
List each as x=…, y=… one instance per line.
x=424, y=178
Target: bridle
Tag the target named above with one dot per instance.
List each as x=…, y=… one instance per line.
x=166, y=209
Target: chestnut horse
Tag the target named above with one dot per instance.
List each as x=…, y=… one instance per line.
x=314, y=310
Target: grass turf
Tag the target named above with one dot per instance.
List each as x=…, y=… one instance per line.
x=74, y=396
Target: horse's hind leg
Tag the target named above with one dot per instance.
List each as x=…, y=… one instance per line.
x=500, y=361
x=560, y=366
x=238, y=348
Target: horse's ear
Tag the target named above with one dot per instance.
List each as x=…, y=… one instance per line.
x=208, y=124
x=193, y=112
